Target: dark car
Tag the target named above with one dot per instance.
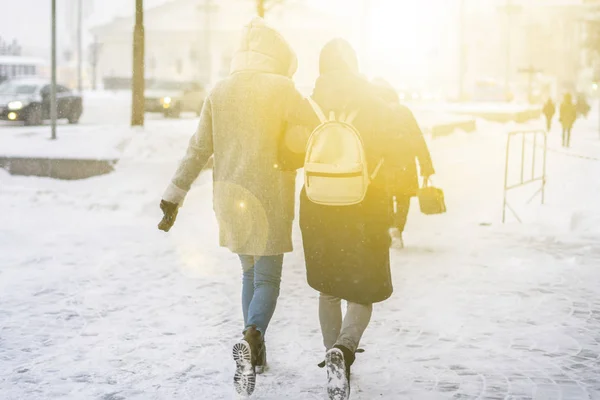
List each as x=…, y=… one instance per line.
x=28, y=100
x=173, y=98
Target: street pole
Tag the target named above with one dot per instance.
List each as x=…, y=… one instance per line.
x=507, y=49
x=79, y=46
x=94, y=62
x=53, y=74
x=462, y=52
x=366, y=22
x=207, y=40
x=137, y=92
x=510, y=9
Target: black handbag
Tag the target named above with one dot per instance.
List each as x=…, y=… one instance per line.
x=431, y=199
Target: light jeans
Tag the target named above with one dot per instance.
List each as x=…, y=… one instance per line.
x=348, y=332
x=261, y=279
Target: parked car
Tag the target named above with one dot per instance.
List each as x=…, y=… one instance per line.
x=173, y=98
x=28, y=100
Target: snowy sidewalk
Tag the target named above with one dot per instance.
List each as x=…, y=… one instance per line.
x=97, y=304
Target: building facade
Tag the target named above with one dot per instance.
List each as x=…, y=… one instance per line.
x=195, y=39
x=546, y=36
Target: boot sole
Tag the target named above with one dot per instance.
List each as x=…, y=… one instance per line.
x=338, y=387
x=244, y=379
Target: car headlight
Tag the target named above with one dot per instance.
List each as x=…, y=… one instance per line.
x=16, y=105
x=166, y=100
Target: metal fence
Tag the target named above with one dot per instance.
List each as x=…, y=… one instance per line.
x=525, y=179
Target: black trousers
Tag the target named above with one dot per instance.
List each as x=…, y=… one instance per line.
x=566, y=136
x=402, y=203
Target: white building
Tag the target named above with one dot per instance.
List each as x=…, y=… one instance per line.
x=544, y=34
x=186, y=40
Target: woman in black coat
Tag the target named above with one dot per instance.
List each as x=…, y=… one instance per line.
x=403, y=179
x=347, y=247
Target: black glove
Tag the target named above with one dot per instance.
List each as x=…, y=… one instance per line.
x=170, y=214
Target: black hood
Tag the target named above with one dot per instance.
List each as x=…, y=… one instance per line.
x=340, y=86
x=338, y=56
x=340, y=91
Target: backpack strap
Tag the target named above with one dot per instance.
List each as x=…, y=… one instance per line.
x=350, y=118
x=317, y=110
x=377, y=168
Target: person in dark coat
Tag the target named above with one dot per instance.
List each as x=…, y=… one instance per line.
x=347, y=247
x=568, y=115
x=403, y=179
x=549, y=110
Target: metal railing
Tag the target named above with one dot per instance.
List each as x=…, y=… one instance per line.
x=525, y=180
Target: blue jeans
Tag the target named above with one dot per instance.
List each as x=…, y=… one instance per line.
x=260, y=289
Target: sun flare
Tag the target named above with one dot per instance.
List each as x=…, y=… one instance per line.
x=407, y=36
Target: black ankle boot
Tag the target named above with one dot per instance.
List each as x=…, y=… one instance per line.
x=349, y=358
x=257, y=346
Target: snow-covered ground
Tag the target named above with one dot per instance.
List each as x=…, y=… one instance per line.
x=96, y=303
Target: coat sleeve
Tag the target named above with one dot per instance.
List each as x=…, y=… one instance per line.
x=402, y=138
x=418, y=144
x=199, y=150
x=298, y=110
x=299, y=122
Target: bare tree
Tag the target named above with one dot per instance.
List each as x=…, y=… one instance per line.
x=137, y=101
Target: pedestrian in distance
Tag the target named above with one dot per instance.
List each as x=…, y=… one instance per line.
x=568, y=115
x=403, y=179
x=241, y=124
x=583, y=107
x=549, y=110
x=345, y=210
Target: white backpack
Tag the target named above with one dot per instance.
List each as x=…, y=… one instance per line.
x=335, y=167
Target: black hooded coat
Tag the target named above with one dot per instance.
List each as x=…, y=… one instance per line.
x=347, y=247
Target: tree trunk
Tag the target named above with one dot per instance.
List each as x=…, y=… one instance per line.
x=260, y=8
x=138, y=83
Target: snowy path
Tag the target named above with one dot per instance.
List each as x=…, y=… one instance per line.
x=95, y=303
